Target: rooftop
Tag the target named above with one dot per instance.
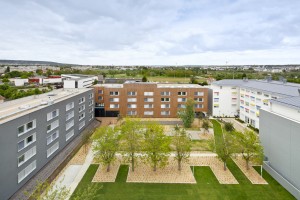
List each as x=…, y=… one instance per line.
x=12, y=109
x=276, y=87
x=76, y=76
x=159, y=85
x=293, y=102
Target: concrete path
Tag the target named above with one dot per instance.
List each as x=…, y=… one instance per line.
x=237, y=125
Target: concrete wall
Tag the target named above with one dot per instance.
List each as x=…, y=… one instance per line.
x=9, y=139
x=280, y=137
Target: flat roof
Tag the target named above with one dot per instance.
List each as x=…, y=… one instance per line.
x=159, y=85
x=77, y=76
x=10, y=110
x=278, y=87
x=292, y=102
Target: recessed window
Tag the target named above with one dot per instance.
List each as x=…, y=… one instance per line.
x=26, y=142
x=165, y=99
x=131, y=93
x=114, y=93
x=69, y=106
x=165, y=93
x=26, y=127
x=181, y=93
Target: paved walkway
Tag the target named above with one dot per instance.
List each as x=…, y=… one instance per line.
x=237, y=125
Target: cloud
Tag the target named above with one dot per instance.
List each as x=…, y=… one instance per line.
x=151, y=32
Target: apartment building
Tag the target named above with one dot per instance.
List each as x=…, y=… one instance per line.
x=146, y=99
x=280, y=137
x=78, y=80
x=33, y=130
x=245, y=98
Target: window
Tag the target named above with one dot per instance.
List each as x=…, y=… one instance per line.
x=100, y=98
x=148, y=106
x=91, y=110
x=200, y=93
x=69, y=115
x=131, y=99
x=131, y=93
x=53, y=114
x=131, y=112
x=148, y=113
x=181, y=106
x=181, y=99
x=259, y=93
x=91, y=117
x=165, y=112
x=26, y=156
x=131, y=105
x=81, y=108
x=148, y=99
x=81, y=100
x=216, y=99
x=52, y=137
x=81, y=116
x=69, y=106
x=216, y=105
x=165, y=106
x=69, y=124
x=26, y=142
x=165, y=99
x=181, y=93
x=26, y=127
x=69, y=135
x=113, y=99
x=81, y=125
x=148, y=93
x=91, y=95
x=198, y=106
x=91, y=103
x=266, y=95
x=100, y=91
x=165, y=93
x=198, y=99
x=114, y=93
x=52, y=126
x=25, y=172
x=52, y=149
x=113, y=105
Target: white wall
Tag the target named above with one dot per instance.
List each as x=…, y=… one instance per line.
x=69, y=83
x=52, y=80
x=286, y=111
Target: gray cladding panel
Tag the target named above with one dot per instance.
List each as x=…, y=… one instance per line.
x=281, y=140
x=9, y=140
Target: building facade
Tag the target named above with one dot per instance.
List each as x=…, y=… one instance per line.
x=280, y=137
x=245, y=98
x=144, y=99
x=34, y=129
x=78, y=80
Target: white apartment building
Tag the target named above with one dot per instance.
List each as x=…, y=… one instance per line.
x=245, y=98
x=78, y=80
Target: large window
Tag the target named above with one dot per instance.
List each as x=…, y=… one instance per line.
x=81, y=125
x=148, y=113
x=165, y=105
x=52, y=149
x=165, y=99
x=69, y=134
x=198, y=99
x=114, y=93
x=148, y=106
x=113, y=105
x=198, y=105
x=26, y=142
x=91, y=102
x=113, y=99
x=131, y=112
x=81, y=108
x=81, y=116
x=131, y=105
x=181, y=99
x=69, y=106
x=181, y=106
x=52, y=126
x=91, y=95
x=69, y=115
x=148, y=93
x=131, y=93
x=81, y=100
x=52, y=137
x=26, y=156
x=25, y=172
x=26, y=127
x=69, y=124
x=52, y=114
x=131, y=100
x=181, y=93
x=165, y=93
x=165, y=113
x=199, y=93
x=148, y=99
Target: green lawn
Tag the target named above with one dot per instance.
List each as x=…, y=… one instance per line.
x=207, y=186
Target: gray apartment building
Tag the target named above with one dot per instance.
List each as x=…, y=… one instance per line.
x=33, y=130
x=280, y=136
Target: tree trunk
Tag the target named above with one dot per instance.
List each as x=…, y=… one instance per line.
x=108, y=167
x=179, y=164
x=154, y=168
x=247, y=164
x=225, y=167
x=132, y=163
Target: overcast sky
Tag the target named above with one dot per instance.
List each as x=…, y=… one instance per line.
x=146, y=32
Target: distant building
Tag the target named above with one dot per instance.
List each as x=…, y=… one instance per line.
x=78, y=80
x=280, y=136
x=121, y=80
x=146, y=99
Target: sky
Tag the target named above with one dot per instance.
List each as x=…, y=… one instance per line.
x=151, y=32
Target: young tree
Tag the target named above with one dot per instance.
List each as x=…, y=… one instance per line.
x=131, y=139
x=46, y=191
x=205, y=125
x=228, y=126
x=156, y=145
x=226, y=148
x=187, y=114
x=106, y=141
x=86, y=140
x=144, y=79
x=182, y=143
x=250, y=147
